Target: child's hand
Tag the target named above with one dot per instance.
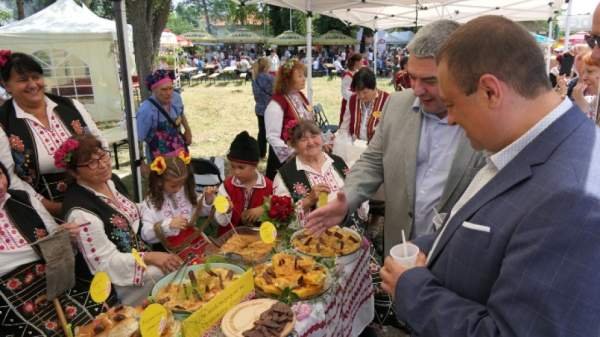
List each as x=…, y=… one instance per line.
x=178, y=222
x=209, y=194
x=252, y=215
x=166, y=262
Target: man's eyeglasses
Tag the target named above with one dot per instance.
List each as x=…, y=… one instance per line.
x=592, y=40
x=103, y=156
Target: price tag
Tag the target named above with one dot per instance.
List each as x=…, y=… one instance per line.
x=221, y=204
x=138, y=258
x=267, y=232
x=100, y=287
x=323, y=199
x=153, y=320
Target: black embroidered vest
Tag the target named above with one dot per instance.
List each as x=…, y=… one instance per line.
x=297, y=182
x=25, y=219
x=23, y=147
x=124, y=238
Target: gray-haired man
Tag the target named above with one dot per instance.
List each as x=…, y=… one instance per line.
x=424, y=163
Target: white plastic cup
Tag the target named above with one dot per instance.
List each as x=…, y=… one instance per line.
x=407, y=260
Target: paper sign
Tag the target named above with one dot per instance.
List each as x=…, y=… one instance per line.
x=221, y=204
x=138, y=258
x=212, y=312
x=267, y=232
x=100, y=287
x=323, y=198
x=153, y=320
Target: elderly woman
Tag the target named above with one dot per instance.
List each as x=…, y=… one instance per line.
x=160, y=118
x=23, y=300
x=364, y=107
x=585, y=92
x=36, y=123
x=110, y=222
x=287, y=104
x=311, y=172
x=262, y=88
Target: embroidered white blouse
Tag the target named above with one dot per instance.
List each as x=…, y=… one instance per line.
x=101, y=254
x=15, y=251
x=174, y=205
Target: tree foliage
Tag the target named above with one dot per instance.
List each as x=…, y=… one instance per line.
x=5, y=17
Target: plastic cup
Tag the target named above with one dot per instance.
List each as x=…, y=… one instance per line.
x=407, y=260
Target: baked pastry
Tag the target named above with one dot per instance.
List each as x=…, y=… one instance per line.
x=335, y=241
x=250, y=247
x=119, y=321
x=198, y=288
x=301, y=274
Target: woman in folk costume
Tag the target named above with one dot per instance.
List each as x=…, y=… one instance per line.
x=171, y=204
x=287, y=103
x=110, y=222
x=24, y=308
x=36, y=124
x=365, y=106
x=246, y=188
x=354, y=63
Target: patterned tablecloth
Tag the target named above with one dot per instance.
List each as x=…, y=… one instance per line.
x=347, y=307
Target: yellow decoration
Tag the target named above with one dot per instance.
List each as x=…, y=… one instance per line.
x=153, y=320
x=323, y=199
x=376, y=114
x=221, y=204
x=158, y=165
x=138, y=258
x=212, y=312
x=185, y=157
x=267, y=232
x=100, y=287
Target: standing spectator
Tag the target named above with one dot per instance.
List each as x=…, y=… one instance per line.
x=585, y=93
x=274, y=62
x=354, y=63
x=160, y=118
x=262, y=88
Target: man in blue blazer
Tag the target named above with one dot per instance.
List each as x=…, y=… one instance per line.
x=519, y=253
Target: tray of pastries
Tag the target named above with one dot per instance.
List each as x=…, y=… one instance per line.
x=186, y=290
x=301, y=274
x=335, y=241
x=123, y=321
x=244, y=244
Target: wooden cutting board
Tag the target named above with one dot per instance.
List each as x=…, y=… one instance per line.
x=242, y=317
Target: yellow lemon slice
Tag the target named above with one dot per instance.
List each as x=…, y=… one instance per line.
x=268, y=232
x=100, y=287
x=221, y=204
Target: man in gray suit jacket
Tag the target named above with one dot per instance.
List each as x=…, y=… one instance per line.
x=424, y=162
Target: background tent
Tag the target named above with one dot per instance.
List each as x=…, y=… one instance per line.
x=242, y=36
x=77, y=50
x=335, y=38
x=288, y=38
x=199, y=37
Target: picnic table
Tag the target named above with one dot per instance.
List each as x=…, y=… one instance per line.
x=187, y=72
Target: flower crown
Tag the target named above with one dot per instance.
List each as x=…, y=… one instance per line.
x=4, y=57
x=64, y=154
x=288, y=65
x=288, y=129
x=159, y=164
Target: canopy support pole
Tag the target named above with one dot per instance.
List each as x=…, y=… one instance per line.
x=309, y=50
x=134, y=155
x=568, y=25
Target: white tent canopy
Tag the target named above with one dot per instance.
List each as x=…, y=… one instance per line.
x=77, y=50
x=408, y=14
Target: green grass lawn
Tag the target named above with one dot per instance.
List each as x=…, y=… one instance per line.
x=217, y=112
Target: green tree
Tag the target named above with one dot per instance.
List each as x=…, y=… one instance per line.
x=5, y=17
x=178, y=25
x=322, y=24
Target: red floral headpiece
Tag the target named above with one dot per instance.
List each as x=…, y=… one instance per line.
x=64, y=154
x=4, y=57
x=288, y=129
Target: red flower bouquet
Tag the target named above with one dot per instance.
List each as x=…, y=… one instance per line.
x=278, y=210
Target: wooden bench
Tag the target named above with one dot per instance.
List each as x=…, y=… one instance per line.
x=198, y=78
x=115, y=137
x=214, y=77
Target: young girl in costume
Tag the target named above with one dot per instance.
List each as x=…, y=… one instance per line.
x=170, y=205
x=246, y=188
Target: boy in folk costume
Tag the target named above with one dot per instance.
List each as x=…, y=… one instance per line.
x=365, y=106
x=246, y=188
